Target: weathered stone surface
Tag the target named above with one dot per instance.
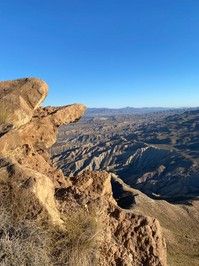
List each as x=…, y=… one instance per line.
x=25, y=135
x=129, y=238
x=41, y=131
x=19, y=99
x=26, y=190
x=179, y=222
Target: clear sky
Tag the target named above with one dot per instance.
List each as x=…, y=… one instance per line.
x=104, y=53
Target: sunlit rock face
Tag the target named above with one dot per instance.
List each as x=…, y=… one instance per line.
x=27, y=130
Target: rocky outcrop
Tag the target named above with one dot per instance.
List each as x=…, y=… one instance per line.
x=128, y=238
x=30, y=131
x=32, y=188
x=19, y=99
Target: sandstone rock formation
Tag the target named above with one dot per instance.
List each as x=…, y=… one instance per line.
x=19, y=99
x=31, y=188
x=129, y=239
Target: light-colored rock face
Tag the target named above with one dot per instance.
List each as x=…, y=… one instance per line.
x=41, y=131
x=32, y=188
x=32, y=131
x=19, y=99
x=27, y=189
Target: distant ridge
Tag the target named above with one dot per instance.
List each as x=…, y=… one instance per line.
x=130, y=110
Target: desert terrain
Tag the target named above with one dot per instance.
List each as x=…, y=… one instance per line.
x=154, y=155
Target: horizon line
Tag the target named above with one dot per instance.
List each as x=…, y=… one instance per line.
x=145, y=107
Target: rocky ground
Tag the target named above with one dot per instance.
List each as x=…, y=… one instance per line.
x=49, y=219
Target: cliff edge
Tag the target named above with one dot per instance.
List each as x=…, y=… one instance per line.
x=77, y=218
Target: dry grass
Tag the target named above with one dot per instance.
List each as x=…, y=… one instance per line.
x=3, y=115
x=23, y=244
x=27, y=243
x=19, y=202
x=79, y=242
x=25, y=239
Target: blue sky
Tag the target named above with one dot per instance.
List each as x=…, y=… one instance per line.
x=105, y=53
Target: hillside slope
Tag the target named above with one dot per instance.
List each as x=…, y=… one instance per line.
x=179, y=222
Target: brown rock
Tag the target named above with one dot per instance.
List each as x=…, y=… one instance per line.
x=41, y=131
x=27, y=192
x=26, y=142
x=129, y=238
x=19, y=99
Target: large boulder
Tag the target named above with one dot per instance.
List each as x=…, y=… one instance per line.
x=19, y=99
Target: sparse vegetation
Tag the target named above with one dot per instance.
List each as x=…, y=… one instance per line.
x=3, y=115
x=78, y=243
x=23, y=244
x=25, y=241
x=27, y=236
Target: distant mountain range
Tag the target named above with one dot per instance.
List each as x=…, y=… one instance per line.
x=130, y=110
